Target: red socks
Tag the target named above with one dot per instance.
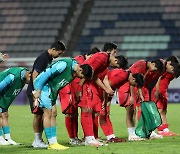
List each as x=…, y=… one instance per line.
x=162, y=127
x=69, y=126
x=139, y=115
x=87, y=123
x=95, y=126
x=106, y=125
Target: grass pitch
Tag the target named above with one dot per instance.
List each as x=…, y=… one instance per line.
x=21, y=131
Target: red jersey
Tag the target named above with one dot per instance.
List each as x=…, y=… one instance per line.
x=165, y=80
x=99, y=62
x=80, y=59
x=139, y=67
x=117, y=77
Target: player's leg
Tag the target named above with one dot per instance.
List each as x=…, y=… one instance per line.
x=6, y=128
x=162, y=107
x=2, y=140
x=37, y=125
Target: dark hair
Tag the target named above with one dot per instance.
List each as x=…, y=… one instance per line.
x=93, y=51
x=176, y=69
x=122, y=61
x=58, y=45
x=159, y=65
x=87, y=71
x=173, y=59
x=108, y=46
x=139, y=79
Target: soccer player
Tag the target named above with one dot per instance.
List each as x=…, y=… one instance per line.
x=47, y=85
x=104, y=118
x=160, y=92
x=40, y=64
x=126, y=93
x=12, y=81
x=3, y=57
x=69, y=103
x=90, y=103
x=115, y=79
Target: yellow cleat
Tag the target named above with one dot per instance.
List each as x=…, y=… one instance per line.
x=57, y=146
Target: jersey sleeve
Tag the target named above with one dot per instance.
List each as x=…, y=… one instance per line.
x=43, y=77
x=8, y=80
x=41, y=64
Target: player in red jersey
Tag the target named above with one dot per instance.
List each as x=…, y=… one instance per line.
x=160, y=93
x=91, y=103
x=116, y=78
x=127, y=94
x=104, y=118
x=69, y=103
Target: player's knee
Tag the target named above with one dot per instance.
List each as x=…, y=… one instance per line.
x=5, y=115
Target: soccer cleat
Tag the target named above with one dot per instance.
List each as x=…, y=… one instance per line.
x=75, y=141
x=57, y=146
x=4, y=142
x=103, y=143
x=39, y=144
x=93, y=142
x=135, y=138
x=155, y=136
x=12, y=142
x=167, y=134
x=116, y=140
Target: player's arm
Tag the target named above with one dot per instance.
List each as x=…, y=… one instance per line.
x=100, y=84
x=131, y=95
x=57, y=68
x=157, y=94
x=8, y=80
x=141, y=94
x=106, y=82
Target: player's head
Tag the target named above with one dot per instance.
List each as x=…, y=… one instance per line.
x=136, y=80
x=156, y=65
x=84, y=71
x=57, y=49
x=172, y=59
x=113, y=61
x=92, y=51
x=110, y=47
x=173, y=68
x=122, y=61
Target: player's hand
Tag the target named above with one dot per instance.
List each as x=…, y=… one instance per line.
x=78, y=96
x=109, y=91
x=142, y=98
x=36, y=103
x=131, y=100
x=36, y=94
x=157, y=94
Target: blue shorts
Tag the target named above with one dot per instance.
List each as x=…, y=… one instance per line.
x=45, y=100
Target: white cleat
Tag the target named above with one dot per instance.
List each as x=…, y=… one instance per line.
x=135, y=138
x=39, y=144
x=155, y=136
x=12, y=142
x=4, y=142
x=93, y=142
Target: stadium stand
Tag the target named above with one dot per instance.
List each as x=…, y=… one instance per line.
x=30, y=27
x=141, y=28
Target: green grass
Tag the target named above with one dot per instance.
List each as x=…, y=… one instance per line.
x=21, y=131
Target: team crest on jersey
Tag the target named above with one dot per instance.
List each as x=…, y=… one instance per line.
x=63, y=82
x=16, y=92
